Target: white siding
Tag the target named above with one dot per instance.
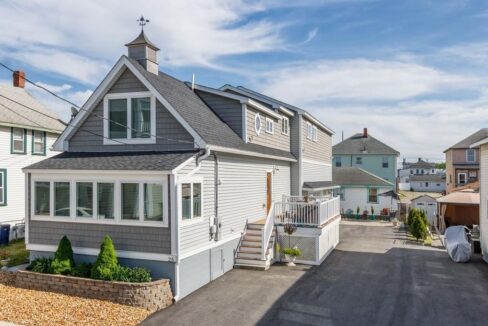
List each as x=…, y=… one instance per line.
x=316, y=172
x=242, y=196
x=14, y=211
x=483, y=201
x=355, y=197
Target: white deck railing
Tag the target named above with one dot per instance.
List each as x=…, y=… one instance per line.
x=267, y=230
x=312, y=213
x=307, y=199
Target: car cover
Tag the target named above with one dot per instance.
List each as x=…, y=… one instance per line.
x=457, y=244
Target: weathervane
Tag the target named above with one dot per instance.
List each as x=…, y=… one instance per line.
x=142, y=22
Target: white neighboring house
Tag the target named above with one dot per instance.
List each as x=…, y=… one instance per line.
x=27, y=132
x=419, y=168
x=483, y=172
x=426, y=203
x=428, y=183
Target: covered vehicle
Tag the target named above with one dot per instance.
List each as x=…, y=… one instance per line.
x=457, y=244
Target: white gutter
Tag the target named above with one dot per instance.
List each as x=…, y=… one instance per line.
x=249, y=153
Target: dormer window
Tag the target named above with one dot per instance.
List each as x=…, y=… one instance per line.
x=269, y=126
x=470, y=155
x=257, y=123
x=129, y=118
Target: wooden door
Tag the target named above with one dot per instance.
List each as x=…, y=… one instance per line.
x=269, y=185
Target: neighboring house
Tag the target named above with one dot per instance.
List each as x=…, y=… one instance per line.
x=368, y=153
x=426, y=203
x=409, y=169
x=462, y=162
x=187, y=180
x=482, y=148
x=27, y=132
x=428, y=183
x=360, y=188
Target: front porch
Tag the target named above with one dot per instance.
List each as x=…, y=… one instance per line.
x=317, y=232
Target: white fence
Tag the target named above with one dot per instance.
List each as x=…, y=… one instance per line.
x=311, y=213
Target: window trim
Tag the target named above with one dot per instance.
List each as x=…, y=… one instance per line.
x=377, y=195
x=117, y=180
x=474, y=155
x=24, y=140
x=271, y=123
x=192, y=219
x=315, y=133
x=33, y=152
x=258, y=126
x=309, y=131
x=285, y=131
x=4, y=186
x=129, y=140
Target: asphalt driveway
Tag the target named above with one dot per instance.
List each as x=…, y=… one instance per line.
x=374, y=277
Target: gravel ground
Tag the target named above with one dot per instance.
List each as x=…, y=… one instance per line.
x=29, y=307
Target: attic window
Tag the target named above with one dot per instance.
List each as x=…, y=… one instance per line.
x=129, y=118
x=257, y=123
x=269, y=126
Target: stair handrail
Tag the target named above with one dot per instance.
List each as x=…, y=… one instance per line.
x=267, y=231
x=243, y=234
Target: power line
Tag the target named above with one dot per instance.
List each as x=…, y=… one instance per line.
x=95, y=114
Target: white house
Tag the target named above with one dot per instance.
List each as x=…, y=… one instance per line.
x=188, y=181
x=428, y=183
x=27, y=132
x=419, y=168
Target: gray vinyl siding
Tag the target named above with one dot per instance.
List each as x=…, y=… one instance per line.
x=275, y=140
x=171, y=134
x=229, y=110
x=316, y=172
x=319, y=151
x=295, y=147
x=85, y=235
x=242, y=196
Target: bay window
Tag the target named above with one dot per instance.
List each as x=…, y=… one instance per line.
x=130, y=201
x=191, y=200
x=38, y=142
x=129, y=118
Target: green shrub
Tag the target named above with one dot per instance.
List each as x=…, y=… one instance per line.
x=40, y=265
x=292, y=252
x=417, y=224
x=82, y=270
x=135, y=274
x=106, y=263
x=63, y=257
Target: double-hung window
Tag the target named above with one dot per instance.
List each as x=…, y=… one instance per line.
x=315, y=136
x=309, y=131
x=191, y=200
x=372, y=195
x=470, y=155
x=3, y=187
x=129, y=118
x=338, y=162
x=18, y=141
x=385, y=162
x=269, y=126
x=285, y=126
x=38, y=142
x=359, y=160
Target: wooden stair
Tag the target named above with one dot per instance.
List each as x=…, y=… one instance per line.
x=249, y=252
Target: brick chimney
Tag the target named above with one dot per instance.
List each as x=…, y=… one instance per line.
x=365, y=133
x=19, y=78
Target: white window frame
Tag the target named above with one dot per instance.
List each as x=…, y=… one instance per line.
x=24, y=141
x=285, y=126
x=257, y=126
x=117, y=180
x=3, y=186
x=465, y=178
x=129, y=139
x=36, y=141
x=472, y=150
x=315, y=134
x=269, y=123
x=192, y=218
x=309, y=131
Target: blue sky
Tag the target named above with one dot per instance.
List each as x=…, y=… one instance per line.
x=413, y=72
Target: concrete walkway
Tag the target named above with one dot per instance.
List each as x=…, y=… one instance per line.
x=375, y=277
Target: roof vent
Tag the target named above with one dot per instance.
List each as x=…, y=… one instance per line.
x=145, y=52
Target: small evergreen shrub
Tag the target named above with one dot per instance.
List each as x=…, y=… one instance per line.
x=106, y=263
x=134, y=275
x=63, y=258
x=82, y=270
x=292, y=252
x=418, y=223
x=40, y=265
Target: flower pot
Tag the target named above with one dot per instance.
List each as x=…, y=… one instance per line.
x=4, y=263
x=290, y=259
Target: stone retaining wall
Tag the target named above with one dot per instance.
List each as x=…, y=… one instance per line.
x=151, y=295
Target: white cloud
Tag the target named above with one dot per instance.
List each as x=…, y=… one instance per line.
x=358, y=80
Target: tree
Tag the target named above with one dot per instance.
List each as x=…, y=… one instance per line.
x=63, y=257
x=106, y=264
x=441, y=166
x=417, y=223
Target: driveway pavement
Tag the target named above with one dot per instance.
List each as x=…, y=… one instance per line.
x=374, y=277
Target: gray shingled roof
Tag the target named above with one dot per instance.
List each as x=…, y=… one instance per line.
x=139, y=161
x=142, y=39
x=199, y=116
x=21, y=109
x=358, y=144
x=319, y=184
x=420, y=164
x=428, y=177
x=471, y=139
x=353, y=176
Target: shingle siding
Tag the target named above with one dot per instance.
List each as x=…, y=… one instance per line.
x=229, y=110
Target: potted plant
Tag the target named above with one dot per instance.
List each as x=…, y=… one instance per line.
x=358, y=209
x=290, y=253
x=4, y=260
x=365, y=214
x=372, y=213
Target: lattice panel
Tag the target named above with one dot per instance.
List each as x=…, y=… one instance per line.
x=306, y=244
